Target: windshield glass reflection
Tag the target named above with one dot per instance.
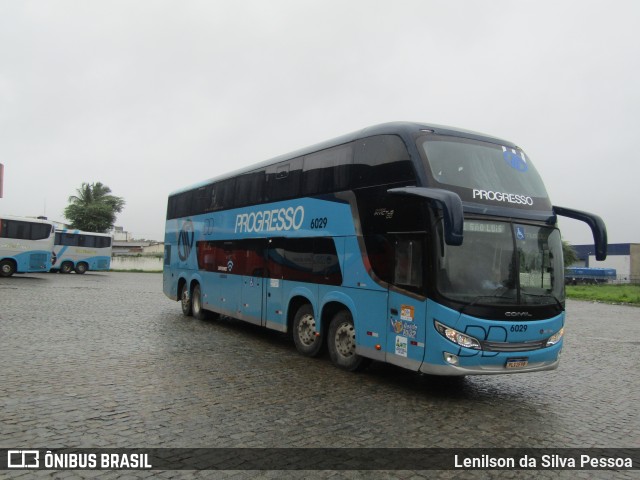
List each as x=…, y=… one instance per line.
x=503, y=263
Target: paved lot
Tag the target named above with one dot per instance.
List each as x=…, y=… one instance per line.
x=106, y=360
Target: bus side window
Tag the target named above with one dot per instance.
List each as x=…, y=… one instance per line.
x=381, y=160
x=283, y=180
x=328, y=170
x=380, y=255
x=408, y=263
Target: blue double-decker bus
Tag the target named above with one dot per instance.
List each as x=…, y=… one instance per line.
x=428, y=247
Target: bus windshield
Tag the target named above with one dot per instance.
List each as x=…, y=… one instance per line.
x=489, y=167
x=503, y=263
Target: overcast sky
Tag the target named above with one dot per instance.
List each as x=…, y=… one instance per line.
x=150, y=96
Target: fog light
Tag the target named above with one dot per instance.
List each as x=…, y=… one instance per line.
x=451, y=358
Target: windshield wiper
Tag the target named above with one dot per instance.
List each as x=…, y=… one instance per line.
x=549, y=295
x=499, y=293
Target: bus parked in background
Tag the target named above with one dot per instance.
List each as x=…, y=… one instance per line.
x=80, y=251
x=25, y=245
x=427, y=247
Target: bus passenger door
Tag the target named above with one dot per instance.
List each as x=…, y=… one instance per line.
x=407, y=307
x=252, y=281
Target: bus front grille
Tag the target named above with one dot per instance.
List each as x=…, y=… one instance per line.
x=513, y=347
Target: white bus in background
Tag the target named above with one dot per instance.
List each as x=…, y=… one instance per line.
x=80, y=251
x=26, y=245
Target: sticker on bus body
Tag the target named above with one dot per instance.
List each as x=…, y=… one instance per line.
x=407, y=313
x=401, y=346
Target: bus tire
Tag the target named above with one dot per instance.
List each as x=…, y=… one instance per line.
x=307, y=342
x=81, y=268
x=66, y=267
x=196, y=304
x=341, y=341
x=7, y=268
x=185, y=301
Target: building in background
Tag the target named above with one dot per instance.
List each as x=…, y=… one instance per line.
x=624, y=257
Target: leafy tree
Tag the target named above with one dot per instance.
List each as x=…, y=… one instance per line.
x=93, y=208
x=569, y=254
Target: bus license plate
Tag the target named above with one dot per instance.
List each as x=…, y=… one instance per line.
x=517, y=362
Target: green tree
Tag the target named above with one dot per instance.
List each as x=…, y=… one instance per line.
x=93, y=208
x=569, y=254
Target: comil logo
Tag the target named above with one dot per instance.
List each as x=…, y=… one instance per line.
x=23, y=459
x=185, y=240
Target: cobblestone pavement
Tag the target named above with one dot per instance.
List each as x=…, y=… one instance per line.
x=107, y=361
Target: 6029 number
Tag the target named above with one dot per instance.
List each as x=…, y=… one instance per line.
x=518, y=328
x=318, y=223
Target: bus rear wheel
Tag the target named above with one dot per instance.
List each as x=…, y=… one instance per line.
x=196, y=305
x=305, y=337
x=7, y=268
x=81, y=268
x=66, y=267
x=342, y=343
x=185, y=300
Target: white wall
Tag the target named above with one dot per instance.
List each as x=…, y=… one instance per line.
x=146, y=264
x=622, y=264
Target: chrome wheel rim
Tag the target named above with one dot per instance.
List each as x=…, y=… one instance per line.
x=345, y=340
x=307, y=330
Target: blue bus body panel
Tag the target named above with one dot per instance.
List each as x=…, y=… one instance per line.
x=474, y=361
x=101, y=262
x=391, y=325
x=32, y=261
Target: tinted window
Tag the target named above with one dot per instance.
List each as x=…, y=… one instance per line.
x=398, y=259
x=473, y=164
x=249, y=188
x=283, y=180
x=24, y=230
x=327, y=170
x=311, y=260
x=69, y=239
x=381, y=160
x=87, y=241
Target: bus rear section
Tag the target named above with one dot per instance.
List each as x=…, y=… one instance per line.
x=26, y=245
x=79, y=251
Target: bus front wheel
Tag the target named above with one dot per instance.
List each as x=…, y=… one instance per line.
x=7, y=268
x=305, y=337
x=342, y=343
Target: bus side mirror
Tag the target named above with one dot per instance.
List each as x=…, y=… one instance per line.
x=598, y=228
x=451, y=208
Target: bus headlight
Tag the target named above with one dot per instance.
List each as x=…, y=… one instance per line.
x=457, y=337
x=555, y=338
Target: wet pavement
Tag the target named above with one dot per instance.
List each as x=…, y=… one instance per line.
x=107, y=361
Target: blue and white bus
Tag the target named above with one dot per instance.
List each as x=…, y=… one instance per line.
x=25, y=245
x=80, y=251
x=427, y=247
